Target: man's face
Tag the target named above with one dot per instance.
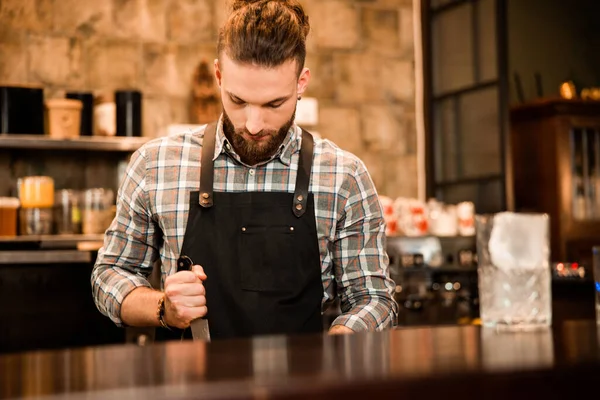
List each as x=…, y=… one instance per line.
x=259, y=105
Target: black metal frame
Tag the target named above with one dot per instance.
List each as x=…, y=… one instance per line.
x=503, y=101
x=505, y=176
x=426, y=14
x=461, y=91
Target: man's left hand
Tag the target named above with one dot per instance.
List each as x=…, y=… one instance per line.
x=340, y=330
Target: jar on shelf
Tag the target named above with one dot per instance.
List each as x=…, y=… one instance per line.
x=36, y=195
x=98, y=210
x=63, y=118
x=105, y=116
x=67, y=213
x=8, y=216
x=36, y=191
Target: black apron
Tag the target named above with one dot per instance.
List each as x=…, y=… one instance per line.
x=259, y=251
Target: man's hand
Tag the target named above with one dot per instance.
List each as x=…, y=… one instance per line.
x=340, y=330
x=185, y=297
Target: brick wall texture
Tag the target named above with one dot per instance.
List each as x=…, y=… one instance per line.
x=361, y=54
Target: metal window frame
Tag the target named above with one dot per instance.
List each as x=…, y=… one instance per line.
x=430, y=101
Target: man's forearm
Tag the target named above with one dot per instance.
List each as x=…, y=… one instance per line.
x=140, y=306
x=368, y=313
x=339, y=330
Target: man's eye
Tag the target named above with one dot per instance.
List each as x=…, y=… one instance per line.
x=275, y=105
x=238, y=102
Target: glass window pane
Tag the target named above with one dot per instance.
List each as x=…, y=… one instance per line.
x=490, y=197
x=594, y=183
x=479, y=134
x=488, y=51
x=585, y=168
x=446, y=152
x=438, y=3
x=456, y=193
x=487, y=196
x=452, y=49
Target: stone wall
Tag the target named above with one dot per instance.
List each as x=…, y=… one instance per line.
x=361, y=53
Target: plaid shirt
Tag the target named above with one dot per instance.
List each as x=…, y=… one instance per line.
x=153, y=205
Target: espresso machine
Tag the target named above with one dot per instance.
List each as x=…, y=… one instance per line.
x=436, y=279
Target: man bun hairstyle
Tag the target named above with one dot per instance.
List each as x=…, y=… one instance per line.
x=265, y=33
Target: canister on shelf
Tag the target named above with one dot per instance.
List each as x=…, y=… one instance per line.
x=22, y=109
x=36, y=191
x=36, y=194
x=105, y=118
x=63, y=118
x=86, y=128
x=128, y=112
x=8, y=216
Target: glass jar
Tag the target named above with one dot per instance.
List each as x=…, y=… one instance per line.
x=67, y=214
x=98, y=210
x=36, y=194
x=8, y=216
x=36, y=191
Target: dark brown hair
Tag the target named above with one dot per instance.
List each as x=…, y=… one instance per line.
x=265, y=32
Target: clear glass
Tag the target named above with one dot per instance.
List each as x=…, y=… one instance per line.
x=596, y=263
x=514, y=271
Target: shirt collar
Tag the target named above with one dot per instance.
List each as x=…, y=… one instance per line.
x=290, y=145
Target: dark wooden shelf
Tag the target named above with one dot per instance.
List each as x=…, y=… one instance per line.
x=83, y=143
x=38, y=257
x=552, y=107
x=53, y=238
x=52, y=242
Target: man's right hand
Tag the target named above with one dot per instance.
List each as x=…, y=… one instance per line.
x=185, y=297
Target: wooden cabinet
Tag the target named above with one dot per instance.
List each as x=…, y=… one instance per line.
x=49, y=305
x=555, y=160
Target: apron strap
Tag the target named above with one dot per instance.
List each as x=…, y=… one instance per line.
x=206, y=171
x=303, y=177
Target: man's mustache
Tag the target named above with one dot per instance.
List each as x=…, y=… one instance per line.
x=258, y=135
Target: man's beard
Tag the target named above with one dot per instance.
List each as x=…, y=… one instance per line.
x=251, y=152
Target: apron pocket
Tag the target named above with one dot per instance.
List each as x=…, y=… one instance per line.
x=267, y=258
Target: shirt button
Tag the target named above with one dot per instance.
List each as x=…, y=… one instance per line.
x=251, y=172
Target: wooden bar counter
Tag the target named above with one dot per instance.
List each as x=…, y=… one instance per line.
x=465, y=362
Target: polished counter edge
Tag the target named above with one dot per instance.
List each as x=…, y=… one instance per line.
x=467, y=362
x=45, y=257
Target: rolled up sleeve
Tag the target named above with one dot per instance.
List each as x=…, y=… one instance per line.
x=130, y=244
x=360, y=261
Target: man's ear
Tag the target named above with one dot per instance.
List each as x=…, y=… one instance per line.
x=303, y=81
x=218, y=75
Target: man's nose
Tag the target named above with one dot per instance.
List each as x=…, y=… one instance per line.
x=254, y=120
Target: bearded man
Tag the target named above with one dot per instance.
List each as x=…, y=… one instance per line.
x=272, y=223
